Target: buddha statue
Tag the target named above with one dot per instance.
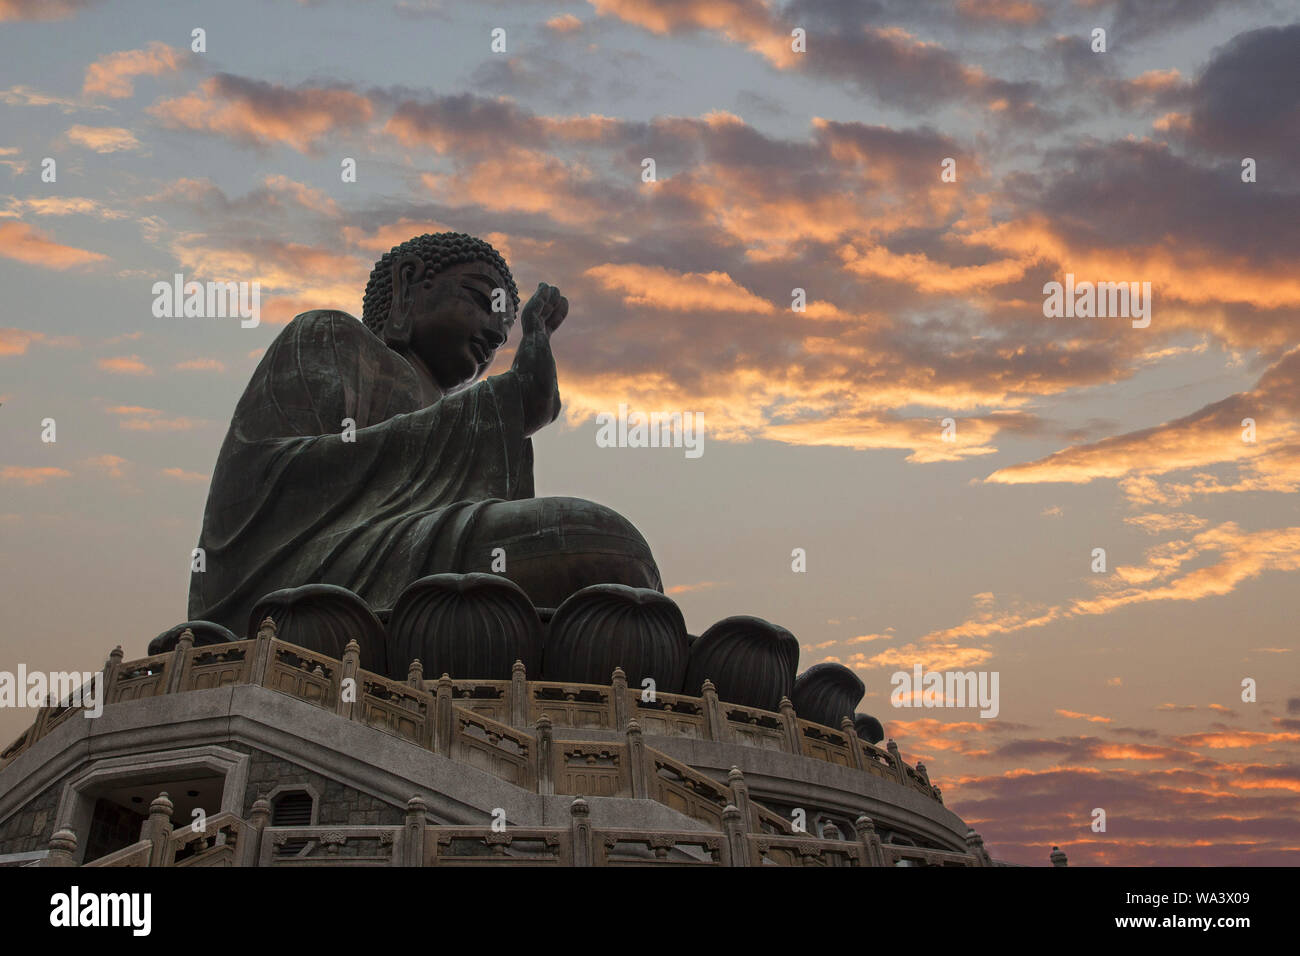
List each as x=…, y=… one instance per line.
x=369, y=454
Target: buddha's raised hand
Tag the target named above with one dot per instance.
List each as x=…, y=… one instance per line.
x=544, y=311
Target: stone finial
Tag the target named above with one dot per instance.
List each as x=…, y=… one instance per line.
x=579, y=807
x=518, y=669
x=846, y=724
x=415, y=673
x=261, y=807
x=1058, y=857
x=830, y=831
x=633, y=727
x=162, y=805
x=864, y=823
x=735, y=773
x=64, y=840
x=266, y=630
x=786, y=705
x=730, y=812
x=416, y=805
x=707, y=687
x=892, y=747
x=543, y=723
x=186, y=640
x=116, y=655
x=352, y=647
x=618, y=675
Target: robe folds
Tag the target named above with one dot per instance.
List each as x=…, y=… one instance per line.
x=292, y=502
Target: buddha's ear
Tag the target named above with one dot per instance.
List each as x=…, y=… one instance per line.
x=408, y=271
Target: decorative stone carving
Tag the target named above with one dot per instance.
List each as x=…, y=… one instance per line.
x=611, y=625
x=750, y=661
x=868, y=728
x=826, y=693
x=466, y=626
x=323, y=618
x=205, y=632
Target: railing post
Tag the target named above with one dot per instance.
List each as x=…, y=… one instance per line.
x=1058, y=857
x=111, y=668
x=872, y=852
x=636, y=760
x=545, y=756
x=855, y=745
x=619, y=680
x=791, y=721
x=415, y=675
x=63, y=848
x=733, y=833
x=157, y=829
x=580, y=832
x=180, y=663
x=413, y=832
x=259, y=819
x=900, y=772
x=740, y=797
x=923, y=774
x=262, y=652
x=975, y=846
x=715, y=723
x=830, y=831
x=351, y=664
x=519, y=696
x=444, y=710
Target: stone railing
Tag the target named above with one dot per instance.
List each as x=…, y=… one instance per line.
x=230, y=841
x=506, y=728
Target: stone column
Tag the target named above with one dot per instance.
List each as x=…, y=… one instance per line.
x=580, y=832
x=179, y=666
x=445, y=712
x=519, y=696
x=63, y=848
x=413, y=832
x=545, y=756
x=619, y=682
x=351, y=665
x=975, y=847
x=740, y=797
x=157, y=829
x=258, y=820
x=733, y=833
x=262, y=651
x=636, y=760
x=900, y=774
x=855, y=745
x=872, y=853
x=715, y=722
x=111, y=668
x=791, y=720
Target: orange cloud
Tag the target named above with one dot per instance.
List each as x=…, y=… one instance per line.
x=111, y=465
x=564, y=23
x=258, y=113
x=103, y=139
x=113, y=75
x=180, y=474
x=678, y=291
x=124, y=365
x=31, y=476
x=200, y=365
x=21, y=241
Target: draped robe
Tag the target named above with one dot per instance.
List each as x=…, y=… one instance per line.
x=292, y=502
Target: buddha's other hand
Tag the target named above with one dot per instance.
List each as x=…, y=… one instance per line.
x=534, y=363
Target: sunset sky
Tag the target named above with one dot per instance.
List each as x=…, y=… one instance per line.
x=775, y=170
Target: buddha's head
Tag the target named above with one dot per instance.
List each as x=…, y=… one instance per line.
x=435, y=297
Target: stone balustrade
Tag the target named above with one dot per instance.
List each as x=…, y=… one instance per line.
x=496, y=726
x=229, y=841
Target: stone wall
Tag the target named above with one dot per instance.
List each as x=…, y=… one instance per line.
x=339, y=805
x=32, y=826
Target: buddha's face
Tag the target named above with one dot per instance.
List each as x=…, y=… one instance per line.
x=454, y=331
